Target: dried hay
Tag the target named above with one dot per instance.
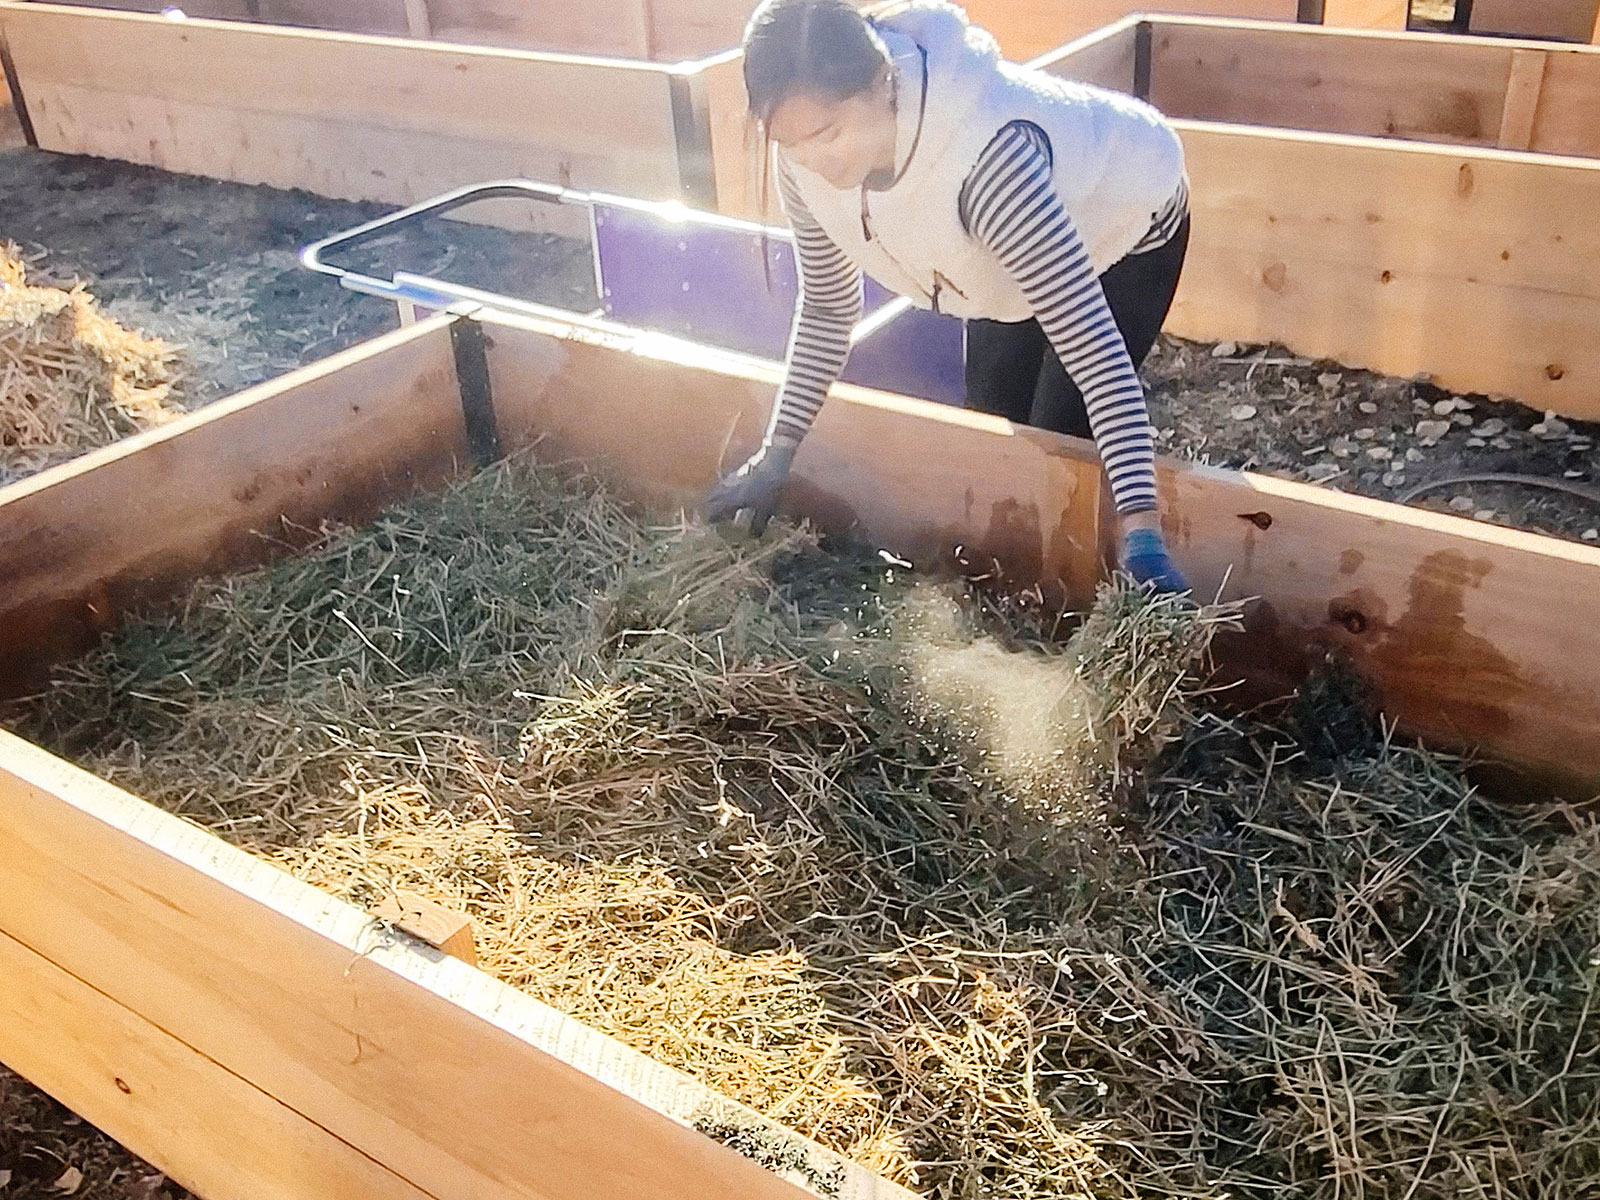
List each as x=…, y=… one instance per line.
x=761, y=811
x=71, y=378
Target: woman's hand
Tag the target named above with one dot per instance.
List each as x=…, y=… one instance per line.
x=757, y=485
x=1144, y=555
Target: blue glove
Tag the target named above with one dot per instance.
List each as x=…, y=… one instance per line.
x=1144, y=556
x=757, y=485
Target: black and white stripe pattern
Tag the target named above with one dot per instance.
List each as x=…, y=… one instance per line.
x=830, y=305
x=1009, y=203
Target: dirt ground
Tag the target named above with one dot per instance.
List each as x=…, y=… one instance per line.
x=1264, y=409
x=212, y=266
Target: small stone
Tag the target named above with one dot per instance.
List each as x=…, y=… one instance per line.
x=1590, y=535
x=1491, y=428
x=1394, y=479
x=1368, y=407
x=1484, y=514
x=1581, y=443
x=1444, y=408
x=1242, y=412
x=1224, y=350
x=1381, y=453
x=1414, y=455
x=1573, y=474
x=1462, y=420
x=1462, y=404
x=1330, y=381
x=1476, y=443
x=1551, y=428
x=1431, y=431
x=1501, y=443
x=1463, y=504
x=1366, y=434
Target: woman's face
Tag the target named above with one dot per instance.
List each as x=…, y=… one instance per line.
x=844, y=141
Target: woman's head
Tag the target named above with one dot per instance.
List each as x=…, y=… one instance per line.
x=819, y=82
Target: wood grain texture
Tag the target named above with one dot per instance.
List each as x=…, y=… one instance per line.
x=1523, y=88
x=340, y=114
x=464, y=1088
x=1480, y=279
x=1026, y=29
x=1366, y=14
x=1433, y=609
x=1428, y=87
x=1105, y=57
x=221, y=489
x=1568, y=20
x=195, y=1121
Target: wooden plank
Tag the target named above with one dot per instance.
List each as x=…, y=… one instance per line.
x=1434, y=609
x=736, y=143
x=463, y=1087
x=82, y=543
x=577, y=392
x=11, y=134
x=353, y=16
x=197, y=1122
x=1106, y=57
x=340, y=114
x=1569, y=99
x=695, y=29
x=220, y=10
x=1327, y=80
x=1525, y=83
x=1482, y=278
x=1366, y=14
x=613, y=28
x=418, y=23
x=1027, y=29
x=1432, y=87
x=1567, y=20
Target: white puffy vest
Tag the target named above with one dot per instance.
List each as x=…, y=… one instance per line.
x=1116, y=164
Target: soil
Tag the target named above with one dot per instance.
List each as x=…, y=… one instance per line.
x=47, y=1152
x=213, y=266
x=1265, y=409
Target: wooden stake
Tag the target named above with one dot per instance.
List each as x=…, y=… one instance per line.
x=441, y=927
x=1523, y=87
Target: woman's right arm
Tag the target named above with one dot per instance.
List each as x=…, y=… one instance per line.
x=829, y=307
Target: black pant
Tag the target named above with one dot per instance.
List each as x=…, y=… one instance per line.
x=1012, y=370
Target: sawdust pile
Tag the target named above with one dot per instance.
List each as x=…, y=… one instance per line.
x=71, y=378
x=997, y=913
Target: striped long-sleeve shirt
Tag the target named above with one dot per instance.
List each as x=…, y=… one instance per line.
x=1009, y=203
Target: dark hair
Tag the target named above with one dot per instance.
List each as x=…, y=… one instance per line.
x=824, y=48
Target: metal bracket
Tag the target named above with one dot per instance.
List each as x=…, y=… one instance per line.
x=1141, y=60
x=477, y=398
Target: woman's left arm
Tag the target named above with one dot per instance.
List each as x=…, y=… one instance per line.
x=1010, y=204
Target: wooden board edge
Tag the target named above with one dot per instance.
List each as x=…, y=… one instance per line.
x=648, y=1098
x=1291, y=29
x=88, y=540
x=1114, y=32
x=627, y=341
x=42, y=10
x=261, y=393
x=194, y=1120
x=1034, y=505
